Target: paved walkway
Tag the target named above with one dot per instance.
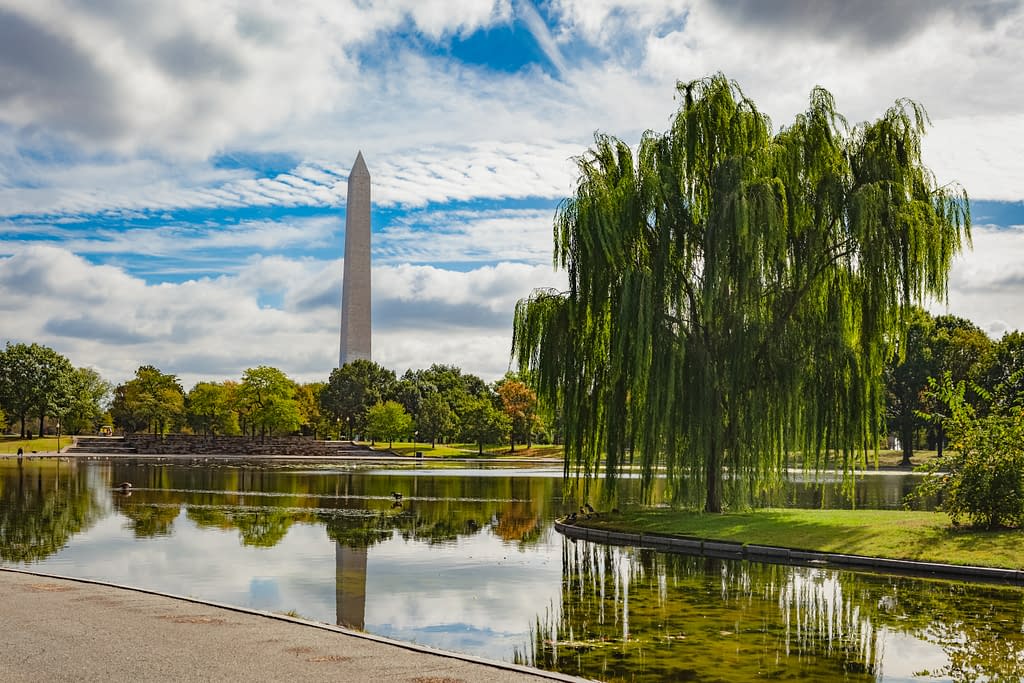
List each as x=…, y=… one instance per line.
x=62, y=630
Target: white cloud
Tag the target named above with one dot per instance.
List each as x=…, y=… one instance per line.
x=204, y=242
x=123, y=110
x=541, y=33
x=191, y=78
x=214, y=328
x=484, y=170
x=986, y=284
x=467, y=236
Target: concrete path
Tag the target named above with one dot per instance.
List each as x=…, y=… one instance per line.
x=63, y=630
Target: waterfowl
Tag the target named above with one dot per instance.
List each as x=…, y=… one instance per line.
x=396, y=495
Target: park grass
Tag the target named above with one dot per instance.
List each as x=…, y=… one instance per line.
x=469, y=450
x=11, y=444
x=409, y=448
x=896, y=534
x=886, y=459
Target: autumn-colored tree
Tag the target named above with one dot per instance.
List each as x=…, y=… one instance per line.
x=520, y=404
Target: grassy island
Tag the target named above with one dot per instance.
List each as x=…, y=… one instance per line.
x=896, y=534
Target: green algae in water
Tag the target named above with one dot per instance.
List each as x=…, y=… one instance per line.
x=640, y=615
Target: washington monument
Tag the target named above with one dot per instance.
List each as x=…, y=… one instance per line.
x=355, y=285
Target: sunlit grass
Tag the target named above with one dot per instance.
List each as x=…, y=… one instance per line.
x=9, y=444
x=886, y=459
x=897, y=534
x=469, y=450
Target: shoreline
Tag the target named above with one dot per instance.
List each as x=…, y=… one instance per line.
x=384, y=457
x=723, y=549
x=243, y=457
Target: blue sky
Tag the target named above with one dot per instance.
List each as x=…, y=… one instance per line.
x=172, y=174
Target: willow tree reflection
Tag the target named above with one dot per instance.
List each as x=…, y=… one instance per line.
x=42, y=505
x=638, y=615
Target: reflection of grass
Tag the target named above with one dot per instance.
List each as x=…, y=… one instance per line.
x=10, y=444
x=923, y=536
x=469, y=450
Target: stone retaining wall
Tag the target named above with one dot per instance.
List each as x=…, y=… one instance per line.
x=188, y=444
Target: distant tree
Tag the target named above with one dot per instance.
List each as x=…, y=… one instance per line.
x=91, y=397
x=436, y=419
x=270, y=397
x=410, y=391
x=210, y=409
x=126, y=409
x=19, y=371
x=520, y=404
x=352, y=389
x=57, y=387
x=733, y=292
x=959, y=349
x=152, y=400
x=482, y=422
x=1004, y=370
x=313, y=421
x=388, y=421
x=454, y=385
x=906, y=379
x=35, y=380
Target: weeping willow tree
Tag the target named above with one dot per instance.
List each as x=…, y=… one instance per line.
x=734, y=293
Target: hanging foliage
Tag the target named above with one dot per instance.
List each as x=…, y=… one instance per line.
x=734, y=293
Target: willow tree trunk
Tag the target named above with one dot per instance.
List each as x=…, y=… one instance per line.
x=713, y=501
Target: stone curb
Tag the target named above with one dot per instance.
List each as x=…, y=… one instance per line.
x=414, y=647
x=778, y=555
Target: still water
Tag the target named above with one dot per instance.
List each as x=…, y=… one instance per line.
x=468, y=560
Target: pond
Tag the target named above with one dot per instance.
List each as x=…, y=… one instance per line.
x=468, y=560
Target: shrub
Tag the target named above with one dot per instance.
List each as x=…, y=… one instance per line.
x=981, y=476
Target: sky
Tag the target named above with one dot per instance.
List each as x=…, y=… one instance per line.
x=173, y=172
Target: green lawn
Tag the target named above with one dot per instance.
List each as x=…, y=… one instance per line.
x=904, y=535
x=409, y=448
x=469, y=450
x=10, y=444
x=886, y=459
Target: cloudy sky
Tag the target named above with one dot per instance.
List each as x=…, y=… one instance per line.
x=173, y=173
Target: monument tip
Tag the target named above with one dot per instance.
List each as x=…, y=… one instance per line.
x=359, y=167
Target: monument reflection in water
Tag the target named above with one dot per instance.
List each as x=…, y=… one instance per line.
x=470, y=562
x=350, y=586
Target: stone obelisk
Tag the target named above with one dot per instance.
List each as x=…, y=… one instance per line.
x=355, y=285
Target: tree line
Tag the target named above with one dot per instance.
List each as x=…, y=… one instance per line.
x=948, y=349
x=361, y=400
x=39, y=387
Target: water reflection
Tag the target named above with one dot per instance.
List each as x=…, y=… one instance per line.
x=42, y=505
x=468, y=561
x=639, y=615
x=457, y=565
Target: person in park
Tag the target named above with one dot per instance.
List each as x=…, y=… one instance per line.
x=734, y=292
